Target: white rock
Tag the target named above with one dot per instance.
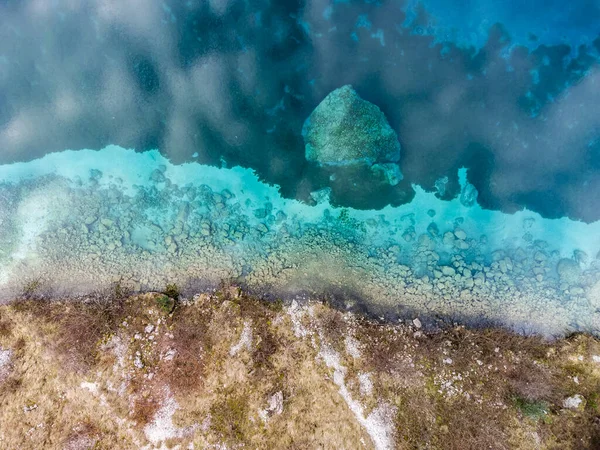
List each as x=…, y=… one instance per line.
x=417, y=323
x=138, y=362
x=573, y=402
x=5, y=358
x=275, y=406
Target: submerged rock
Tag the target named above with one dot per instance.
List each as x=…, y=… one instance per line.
x=344, y=129
x=568, y=270
x=390, y=172
x=440, y=186
x=468, y=192
x=468, y=195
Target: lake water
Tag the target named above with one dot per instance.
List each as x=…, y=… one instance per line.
x=154, y=142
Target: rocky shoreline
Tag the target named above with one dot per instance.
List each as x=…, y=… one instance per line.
x=73, y=234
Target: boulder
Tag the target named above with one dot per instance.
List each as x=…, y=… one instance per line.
x=344, y=129
x=575, y=402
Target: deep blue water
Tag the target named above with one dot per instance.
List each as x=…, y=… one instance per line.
x=509, y=91
x=506, y=90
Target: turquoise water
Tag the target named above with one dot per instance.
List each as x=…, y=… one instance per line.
x=165, y=143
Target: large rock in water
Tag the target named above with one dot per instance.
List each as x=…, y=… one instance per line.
x=345, y=129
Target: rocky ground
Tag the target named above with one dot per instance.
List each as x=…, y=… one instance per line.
x=226, y=370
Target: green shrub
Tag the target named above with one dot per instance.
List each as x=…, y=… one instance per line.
x=165, y=303
x=172, y=290
x=532, y=409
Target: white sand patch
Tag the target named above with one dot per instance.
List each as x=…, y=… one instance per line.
x=119, y=349
x=92, y=387
x=378, y=424
x=366, y=385
x=162, y=428
x=245, y=340
x=352, y=347
x=296, y=313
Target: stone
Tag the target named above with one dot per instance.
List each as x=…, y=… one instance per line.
x=448, y=238
x=520, y=254
x=345, y=129
x=502, y=266
x=433, y=229
x=276, y=403
x=440, y=186
x=417, y=323
x=479, y=278
x=461, y=245
x=577, y=291
x=389, y=172
x=468, y=195
x=205, y=229
x=448, y=271
x=468, y=192
x=321, y=195
x=261, y=213
x=157, y=176
x=460, y=234
x=574, y=402
x=568, y=270
x=275, y=406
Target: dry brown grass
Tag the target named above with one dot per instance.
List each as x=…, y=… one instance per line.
x=503, y=389
x=144, y=409
x=83, y=436
x=74, y=329
x=191, y=343
x=229, y=417
x=456, y=389
x=5, y=328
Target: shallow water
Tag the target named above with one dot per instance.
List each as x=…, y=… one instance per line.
x=210, y=99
